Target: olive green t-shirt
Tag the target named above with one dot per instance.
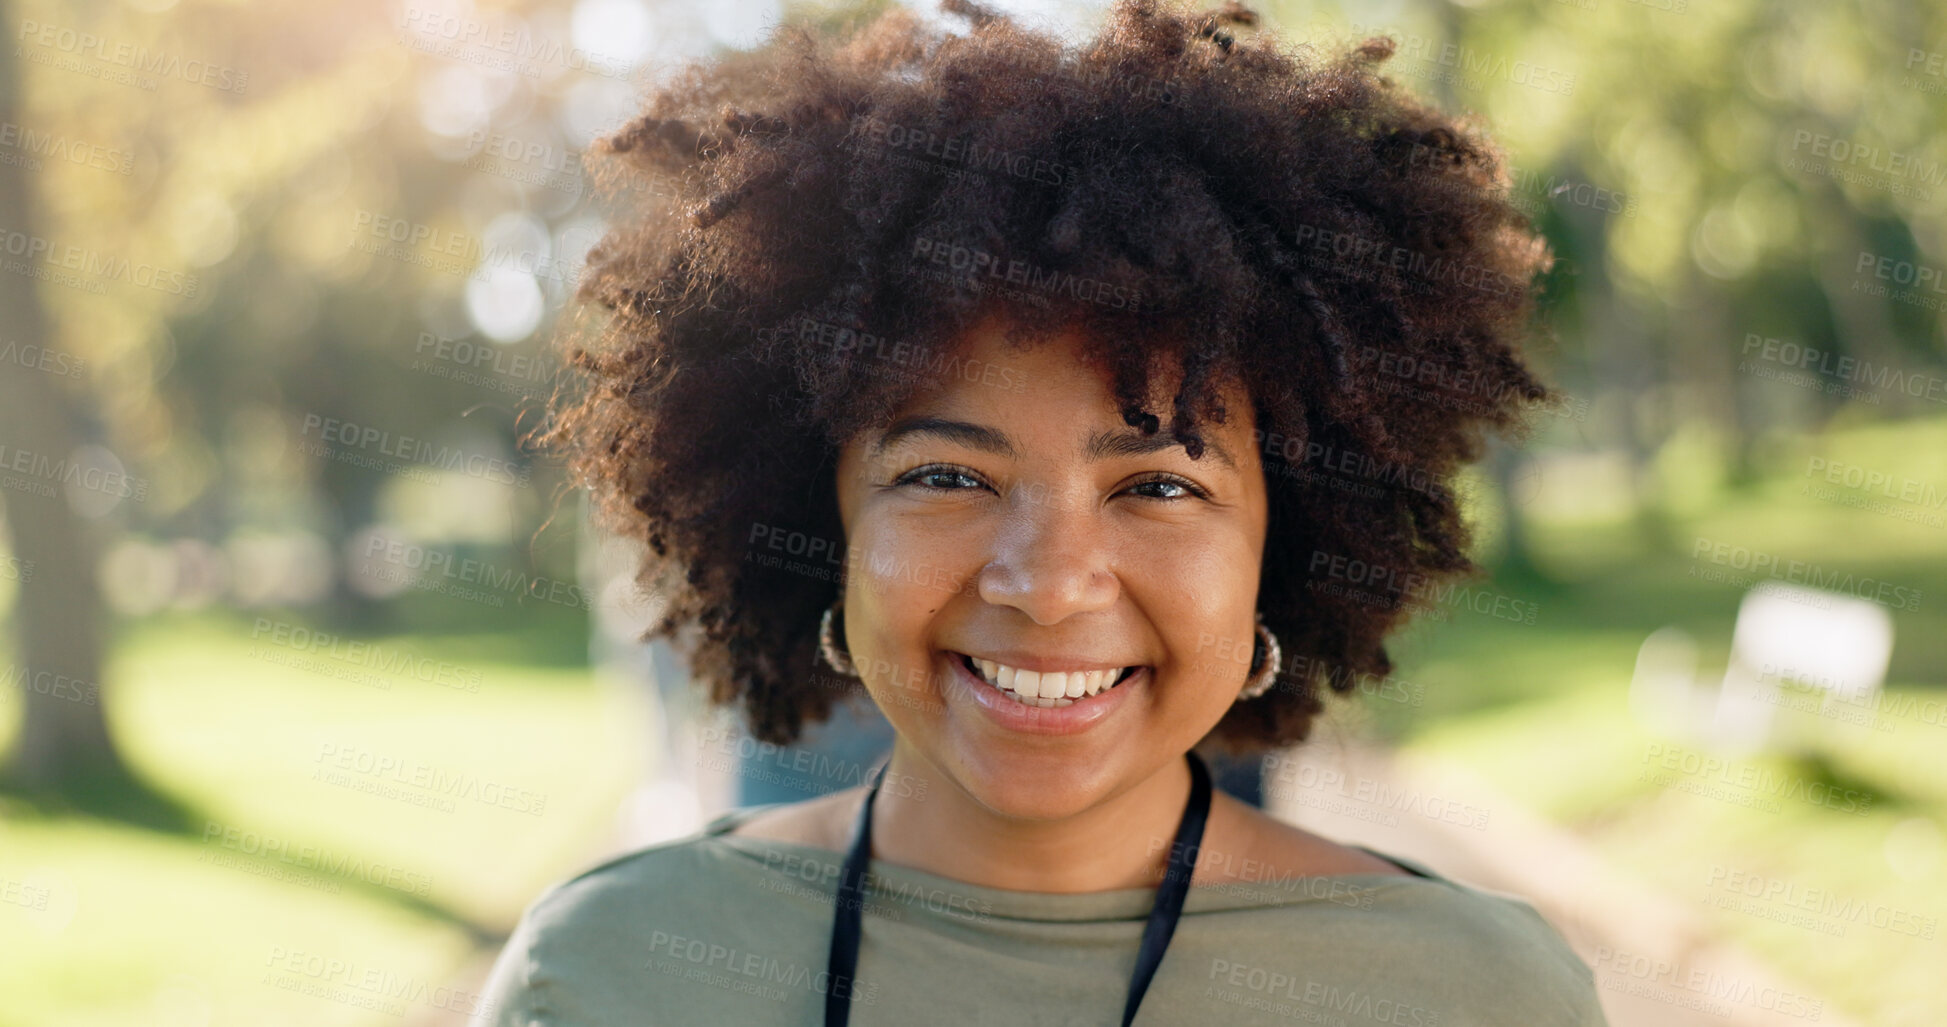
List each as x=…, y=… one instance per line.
x=724, y=929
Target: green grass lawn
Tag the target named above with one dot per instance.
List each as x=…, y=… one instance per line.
x=380, y=896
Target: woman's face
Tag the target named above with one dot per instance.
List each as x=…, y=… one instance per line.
x=1015, y=518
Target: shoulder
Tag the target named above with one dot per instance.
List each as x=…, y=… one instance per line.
x=1486, y=952
x=616, y=887
x=579, y=945
x=1419, y=952
x=1479, y=955
x=1244, y=843
x=1475, y=955
x=825, y=822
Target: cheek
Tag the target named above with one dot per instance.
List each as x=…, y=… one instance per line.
x=897, y=583
x=886, y=634
x=1206, y=617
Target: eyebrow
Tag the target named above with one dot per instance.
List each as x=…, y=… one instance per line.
x=1101, y=444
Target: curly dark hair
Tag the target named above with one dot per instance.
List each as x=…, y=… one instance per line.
x=1176, y=188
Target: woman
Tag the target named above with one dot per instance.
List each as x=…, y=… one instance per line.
x=1041, y=397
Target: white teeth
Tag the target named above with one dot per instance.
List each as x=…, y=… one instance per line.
x=1048, y=690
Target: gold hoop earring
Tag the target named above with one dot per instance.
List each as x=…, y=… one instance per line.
x=1267, y=672
x=837, y=658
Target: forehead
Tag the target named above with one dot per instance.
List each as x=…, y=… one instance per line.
x=992, y=394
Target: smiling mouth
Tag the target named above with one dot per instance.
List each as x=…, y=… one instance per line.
x=1048, y=691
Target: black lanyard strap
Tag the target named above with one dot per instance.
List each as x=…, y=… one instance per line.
x=842, y=965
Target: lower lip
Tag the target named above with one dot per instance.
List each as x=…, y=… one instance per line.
x=1074, y=718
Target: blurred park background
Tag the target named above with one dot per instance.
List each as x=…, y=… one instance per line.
x=315, y=678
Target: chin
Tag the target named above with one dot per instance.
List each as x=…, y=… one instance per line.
x=1015, y=785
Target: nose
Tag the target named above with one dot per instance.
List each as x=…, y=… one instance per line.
x=1051, y=561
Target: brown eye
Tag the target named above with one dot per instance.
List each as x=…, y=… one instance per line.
x=1192, y=488
x=921, y=476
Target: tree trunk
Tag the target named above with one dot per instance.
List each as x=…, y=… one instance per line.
x=64, y=738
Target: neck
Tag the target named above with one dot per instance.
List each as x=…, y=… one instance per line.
x=1122, y=842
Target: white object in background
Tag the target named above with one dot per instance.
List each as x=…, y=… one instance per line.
x=1834, y=643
